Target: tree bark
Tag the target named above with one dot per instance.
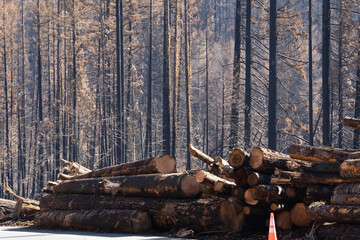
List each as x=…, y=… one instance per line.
x=127, y=221
x=270, y=193
x=199, y=214
x=325, y=72
x=350, y=169
x=177, y=185
x=348, y=199
x=298, y=178
x=321, y=212
x=299, y=215
x=311, y=121
x=352, y=122
x=321, y=154
x=162, y=164
x=219, y=184
x=272, y=122
x=238, y=158
x=318, y=193
x=347, y=188
x=266, y=161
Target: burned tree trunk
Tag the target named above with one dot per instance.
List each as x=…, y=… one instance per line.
x=347, y=188
x=321, y=212
x=350, y=169
x=177, y=185
x=346, y=199
x=321, y=154
x=163, y=164
x=200, y=214
x=127, y=221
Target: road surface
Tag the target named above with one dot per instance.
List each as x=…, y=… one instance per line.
x=36, y=234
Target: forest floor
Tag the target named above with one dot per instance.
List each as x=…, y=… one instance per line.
x=322, y=232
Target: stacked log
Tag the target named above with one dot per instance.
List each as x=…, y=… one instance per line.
x=134, y=197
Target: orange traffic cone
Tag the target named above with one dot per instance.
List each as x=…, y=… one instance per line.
x=272, y=229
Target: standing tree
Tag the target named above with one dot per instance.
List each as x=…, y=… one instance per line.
x=188, y=84
x=356, y=139
x=166, y=82
x=236, y=79
x=247, y=136
x=272, y=134
x=311, y=127
x=325, y=71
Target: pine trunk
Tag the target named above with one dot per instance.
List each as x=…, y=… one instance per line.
x=321, y=212
x=350, y=169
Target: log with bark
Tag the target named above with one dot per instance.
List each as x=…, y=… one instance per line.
x=319, y=193
x=199, y=214
x=241, y=176
x=347, y=188
x=350, y=168
x=75, y=168
x=256, y=178
x=300, y=178
x=220, y=185
x=261, y=194
x=299, y=215
x=322, y=212
x=203, y=157
x=321, y=154
x=238, y=157
x=352, y=122
x=346, y=199
x=126, y=221
x=163, y=164
x=177, y=185
x=266, y=161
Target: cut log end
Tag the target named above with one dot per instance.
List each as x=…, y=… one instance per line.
x=189, y=186
x=248, y=196
x=140, y=222
x=299, y=215
x=237, y=157
x=232, y=214
x=165, y=164
x=200, y=176
x=256, y=158
x=283, y=220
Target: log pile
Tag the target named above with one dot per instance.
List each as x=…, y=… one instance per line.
x=134, y=197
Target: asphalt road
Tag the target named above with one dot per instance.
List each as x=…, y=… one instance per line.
x=35, y=234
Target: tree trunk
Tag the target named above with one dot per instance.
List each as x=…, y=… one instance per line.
x=319, y=193
x=325, y=72
x=352, y=122
x=283, y=220
x=257, y=178
x=356, y=139
x=270, y=193
x=321, y=212
x=127, y=221
x=321, y=154
x=162, y=164
x=311, y=126
x=266, y=161
x=299, y=215
x=177, y=185
x=235, y=93
x=348, y=199
x=247, y=135
x=188, y=84
x=238, y=157
x=347, y=188
x=219, y=184
x=166, y=81
x=206, y=214
x=272, y=122
x=350, y=169
x=298, y=178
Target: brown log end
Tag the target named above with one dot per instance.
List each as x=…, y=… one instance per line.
x=290, y=192
x=283, y=220
x=140, y=222
x=256, y=158
x=200, y=176
x=248, y=196
x=253, y=179
x=276, y=207
x=232, y=214
x=299, y=215
x=189, y=186
x=165, y=164
x=237, y=157
x=192, y=150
